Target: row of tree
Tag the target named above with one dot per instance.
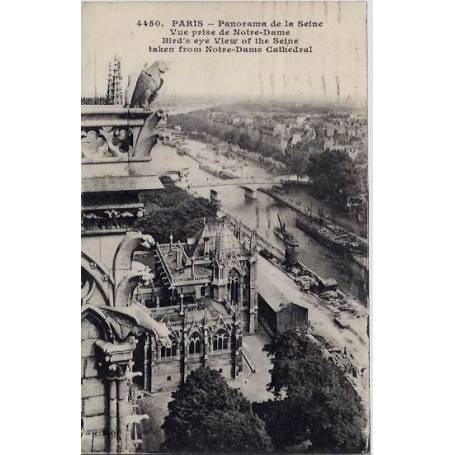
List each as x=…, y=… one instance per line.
x=198, y=121
x=315, y=408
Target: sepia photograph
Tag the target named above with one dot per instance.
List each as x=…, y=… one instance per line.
x=225, y=302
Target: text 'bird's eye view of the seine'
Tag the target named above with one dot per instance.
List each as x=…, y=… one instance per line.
x=224, y=227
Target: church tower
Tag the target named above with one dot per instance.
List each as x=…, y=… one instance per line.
x=114, y=93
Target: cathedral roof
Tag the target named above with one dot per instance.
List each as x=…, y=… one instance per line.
x=184, y=263
x=220, y=239
x=180, y=270
x=208, y=309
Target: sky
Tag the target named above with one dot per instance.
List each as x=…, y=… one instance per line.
x=336, y=68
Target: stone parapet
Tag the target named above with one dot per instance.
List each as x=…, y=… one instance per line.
x=117, y=141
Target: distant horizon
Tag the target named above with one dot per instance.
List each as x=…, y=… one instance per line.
x=248, y=98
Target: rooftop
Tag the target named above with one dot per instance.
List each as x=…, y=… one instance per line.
x=168, y=255
x=206, y=308
x=270, y=291
x=184, y=263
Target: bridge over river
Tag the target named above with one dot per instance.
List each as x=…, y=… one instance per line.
x=249, y=182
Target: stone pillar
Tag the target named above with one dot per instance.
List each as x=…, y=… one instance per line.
x=253, y=299
x=241, y=280
x=123, y=411
x=205, y=361
x=153, y=355
x=113, y=436
x=145, y=372
x=115, y=360
x=236, y=347
x=184, y=359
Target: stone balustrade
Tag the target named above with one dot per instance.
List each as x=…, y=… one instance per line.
x=117, y=141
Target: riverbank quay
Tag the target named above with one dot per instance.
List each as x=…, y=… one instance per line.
x=222, y=174
x=267, y=162
x=229, y=150
x=272, y=165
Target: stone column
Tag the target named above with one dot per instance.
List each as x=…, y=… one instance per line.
x=236, y=346
x=253, y=299
x=145, y=371
x=122, y=411
x=205, y=360
x=115, y=360
x=113, y=436
x=238, y=351
x=184, y=349
x=241, y=280
x=153, y=355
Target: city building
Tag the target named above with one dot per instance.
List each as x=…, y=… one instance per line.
x=276, y=313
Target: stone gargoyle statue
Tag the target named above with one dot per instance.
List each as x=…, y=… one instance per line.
x=142, y=90
x=148, y=135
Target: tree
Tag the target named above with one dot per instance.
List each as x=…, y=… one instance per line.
x=245, y=141
x=296, y=162
x=174, y=210
x=230, y=136
x=333, y=176
x=206, y=415
x=314, y=400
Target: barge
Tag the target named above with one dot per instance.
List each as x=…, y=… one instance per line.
x=334, y=237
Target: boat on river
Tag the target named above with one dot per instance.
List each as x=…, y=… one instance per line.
x=284, y=234
x=334, y=237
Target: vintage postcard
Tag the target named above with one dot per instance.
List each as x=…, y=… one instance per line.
x=224, y=227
